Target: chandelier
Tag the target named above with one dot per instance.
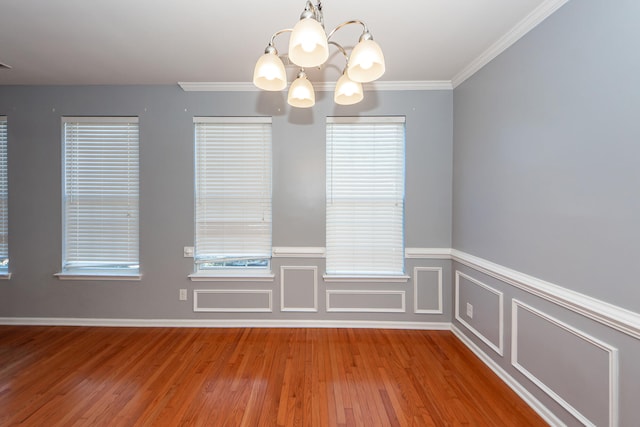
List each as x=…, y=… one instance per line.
x=308, y=48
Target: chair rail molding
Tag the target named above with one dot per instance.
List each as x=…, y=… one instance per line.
x=618, y=318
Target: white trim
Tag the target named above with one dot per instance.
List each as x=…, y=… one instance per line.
x=314, y=269
x=610, y=315
x=320, y=252
x=297, y=252
x=232, y=119
x=268, y=309
x=532, y=20
x=365, y=119
x=497, y=348
x=518, y=388
x=613, y=363
x=330, y=292
x=381, y=85
x=416, y=310
x=100, y=119
x=217, y=86
x=365, y=279
x=105, y=276
x=243, y=276
x=223, y=323
x=319, y=86
x=427, y=253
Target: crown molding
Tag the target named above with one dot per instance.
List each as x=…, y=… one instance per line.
x=217, y=86
x=408, y=85
x=319, y=86
x=531, y=21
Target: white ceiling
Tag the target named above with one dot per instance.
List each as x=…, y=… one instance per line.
x=77, y=42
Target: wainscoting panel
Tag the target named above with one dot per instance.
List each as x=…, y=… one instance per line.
x=370, y=301
x=480, y=308
x=298, y=288
x=233, y=300
x=576, y=370
x=427, y=290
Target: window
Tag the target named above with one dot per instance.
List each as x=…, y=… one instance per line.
x=4, y=211
x=232, y=195
x=100, y=196
x=365, y=196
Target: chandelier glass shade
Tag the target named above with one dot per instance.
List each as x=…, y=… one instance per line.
x=270, y=73
x=309, y=47
x=301, y=92
x=347, y=91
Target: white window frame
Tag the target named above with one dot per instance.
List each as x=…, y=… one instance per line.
x=76, y=266
x=339, y=249
x=4, y=199
x=205, y=239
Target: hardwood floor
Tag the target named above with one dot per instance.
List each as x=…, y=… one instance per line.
x=90, y=376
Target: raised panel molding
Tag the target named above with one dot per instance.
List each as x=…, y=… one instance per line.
x=314, y=288
x=499, y=347
x=268, y=308
x=364, y=309
x=416, y=291
x=612, y=363
x=610, y=315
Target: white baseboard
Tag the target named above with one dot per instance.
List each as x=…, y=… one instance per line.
x=223, y=323
x=524, y=394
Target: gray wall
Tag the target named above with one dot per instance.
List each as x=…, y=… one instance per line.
x=546, y=148
x=546, y=179
x=166, y=207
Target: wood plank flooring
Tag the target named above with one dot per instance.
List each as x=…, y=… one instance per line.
x=95, y=376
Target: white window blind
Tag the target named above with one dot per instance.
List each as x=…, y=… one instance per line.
x=4, y=211
x=233, y=193
x=101, y=192
x=365, y=196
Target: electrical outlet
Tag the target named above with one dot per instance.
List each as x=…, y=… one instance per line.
x=188, y=251
x=469, y=311
x=183, y=294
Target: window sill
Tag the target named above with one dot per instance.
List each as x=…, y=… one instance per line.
x=365, y=279
x=97, y=276
x=5, y=276
x=239, y=276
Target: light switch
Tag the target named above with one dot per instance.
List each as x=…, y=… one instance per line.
x=188, y=251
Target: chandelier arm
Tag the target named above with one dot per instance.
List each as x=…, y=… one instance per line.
x=277, y=33
x=344, y=24
x=341, y=49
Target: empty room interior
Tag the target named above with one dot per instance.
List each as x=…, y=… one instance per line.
x=425, y=213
